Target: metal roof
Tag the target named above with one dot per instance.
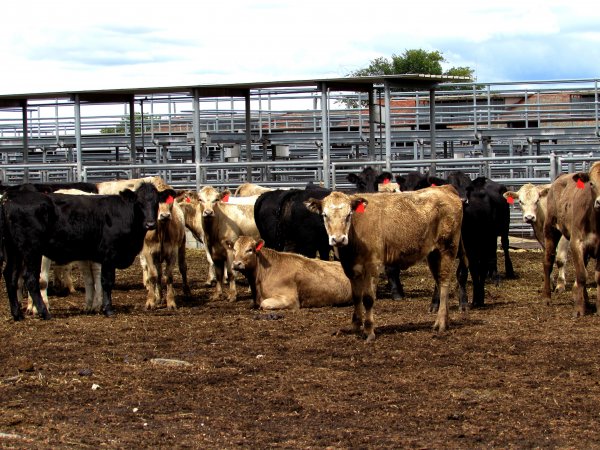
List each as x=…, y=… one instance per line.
x=354, y=84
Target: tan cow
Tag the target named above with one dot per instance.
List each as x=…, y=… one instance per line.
x=533, y=200
x=373, y=230
x=221, y=223
x=249, y=189
x=574, y=212
x=115, y=186
x=165, y=244
x=288, y=280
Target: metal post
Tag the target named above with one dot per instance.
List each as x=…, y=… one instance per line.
x=432, y=136
x=25, y=140
x=371, y=124
x=248, y=137
x=78, y=137
x=325, y=132
x=388, y=127
x=197, y=144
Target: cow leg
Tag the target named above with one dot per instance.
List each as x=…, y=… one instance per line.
x=579, y=294
x=44, y=277
x=150, y=277
x=562, y=251
x=552, y=237
x=108, y=282
x=597, y=279
x=393, y=276
x=220, y=277
x=444, y=266
x=182, y=264
x=462, y=273
x=12, y=274
x=213, y=276
x=368, y=301
x=88, y=282
x=232, y=296
x=508, y=266
x=169, y=268
x=31, y=276
x=357, y=314
x=97, y=275
x=281, y=301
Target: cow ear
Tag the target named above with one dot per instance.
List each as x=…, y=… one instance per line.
x=229, y=243
x=314, y=205
x=383, y=176
x=544, y=191
x=224, y=196
x=168, y=195
x=352, y=178
x=358, y=204
x=259, y=245
x=511, y=194
x=583, y=176
x=128, y=194
x=400, y=179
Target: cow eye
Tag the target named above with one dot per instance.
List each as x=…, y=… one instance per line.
x=324, y=215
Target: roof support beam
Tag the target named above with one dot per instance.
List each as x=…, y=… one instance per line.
x=388, y=126
x=78, y=137
x=248, y=137
x=25, y=139
x=432, y=136
x=325, y=131
x=200, y=177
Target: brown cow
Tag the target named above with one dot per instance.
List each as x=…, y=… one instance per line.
x=373, y=230
x=223, y=222
x=164, y=244
x=288, y=280
x=574, y=212
x=534, y=201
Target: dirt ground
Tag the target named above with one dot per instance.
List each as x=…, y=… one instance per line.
x=516, y=373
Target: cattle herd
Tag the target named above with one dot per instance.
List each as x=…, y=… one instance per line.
x=296, y=247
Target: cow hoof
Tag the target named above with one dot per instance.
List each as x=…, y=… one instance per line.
x=434, y=308
x=397, y=296
x=370, y=337
x=560, y=288
x=19, y=317
x=109, y=312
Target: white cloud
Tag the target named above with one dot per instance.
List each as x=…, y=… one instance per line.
x=68, y=44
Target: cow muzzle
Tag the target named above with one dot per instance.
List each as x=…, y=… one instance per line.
x=339, y=240
x=208, y=213
x=163, y=217
x=238, y=265
x=529, y=218
x=597, y=204
x=150, y=225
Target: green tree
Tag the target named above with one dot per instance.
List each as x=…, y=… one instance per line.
x=124, y=124
x=411, y=61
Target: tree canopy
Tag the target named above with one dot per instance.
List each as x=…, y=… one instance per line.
x=412, y=61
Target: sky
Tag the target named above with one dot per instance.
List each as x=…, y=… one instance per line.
x=66, y=45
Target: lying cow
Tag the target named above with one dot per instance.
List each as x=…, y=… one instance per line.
x=250, y=189
x=533, y=201
x=107, y=229
x=288, y=280
x=371, y=230
x=165, y=244
x=574, y=212
x=115, y=186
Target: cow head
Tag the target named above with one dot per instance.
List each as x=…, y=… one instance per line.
x=368, y=180
x=244, y=252
x=529, y=196
x=146, y=198
x=208, y=198
x=166, y=204
x=337, y=210
x=591, y=179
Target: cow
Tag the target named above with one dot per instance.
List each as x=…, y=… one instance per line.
x=221, y=223
x=285, y=224
x=287, y=280
x=47, y=188
x=62, y=274
x=533, y=201
x=165, y=244
x=372, y=230
x=115, y=186
x=107, y=229
x=368, y=179
x=193, y=222
x=574, y=212
x=250, y=189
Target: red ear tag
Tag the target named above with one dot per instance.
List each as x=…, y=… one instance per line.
x=360, y=208
x=225, y=198
x=259, y=246
x=188, y=200
x=170, y=200
x=386, y=180
x=510, y=200
x=433, y=185
x=580, y=184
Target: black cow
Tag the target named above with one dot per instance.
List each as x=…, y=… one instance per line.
x=368, y=180
x=285, y=224
x=108, y=229
x=413, y=181
x=50, y=187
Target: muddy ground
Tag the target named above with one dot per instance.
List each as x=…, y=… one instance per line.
x=514, y=374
